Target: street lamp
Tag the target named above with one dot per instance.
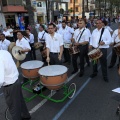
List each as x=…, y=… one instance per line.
x=83, y=9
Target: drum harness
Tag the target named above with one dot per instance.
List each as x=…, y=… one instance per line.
x=79, y=37
x=95, y=61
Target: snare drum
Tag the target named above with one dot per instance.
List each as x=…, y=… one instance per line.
x=66, y=45
x=53, y=76
x=30, y=69
x=95, y=54
x=74, y=50
x=117, y=49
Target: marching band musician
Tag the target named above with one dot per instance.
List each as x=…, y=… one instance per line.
x=4, y=43
x=66, y=32
x=115, y=40
x=31, y=38
x=42, y=39
x=54, y=44
x=23, y=43
x=80, y=39
x=12, y=87
x=103, y=44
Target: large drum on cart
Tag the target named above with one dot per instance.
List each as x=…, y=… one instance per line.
x=30, y=69
x=53, y=77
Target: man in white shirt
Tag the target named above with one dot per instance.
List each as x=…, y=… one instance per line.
x=80, y=39
x=23, y=43
x=103, y=44
x=31, y=38
x=42, y=39
x=115, y=40
x=54, y=44
x=4, y=43
x=66, y=32
x=11, y=33
x=6, y=33
x=12, y=87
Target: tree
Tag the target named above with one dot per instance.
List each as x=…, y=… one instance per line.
x=30, y=10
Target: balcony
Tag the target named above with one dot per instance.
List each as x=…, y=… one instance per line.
x=11, y=8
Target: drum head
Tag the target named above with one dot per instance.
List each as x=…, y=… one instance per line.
x=118, y=44
x=16, y=54
x=12, y=44
x=93, y=51
x=31, y=64
x=53, y=70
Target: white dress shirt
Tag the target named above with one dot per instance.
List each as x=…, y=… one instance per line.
x=54, y=43
x=23, y=43
x=110, y=30
x=4, y=44
x=42, y=35
x=66, y=34
x=6, y=33
x=11, y=32
x=8, y=71
x=84, y=37
x=115, y=37
x=106, y=38
x=31, y=38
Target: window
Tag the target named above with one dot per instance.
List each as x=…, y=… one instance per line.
x=76, y=1
x=76, y=9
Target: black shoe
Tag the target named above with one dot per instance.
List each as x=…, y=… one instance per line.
x=110, y=66
x=88, y=64
x=81, y=74
x=73, y=72
x=93, y=75
x=65, y=61
x=26, y=118
x=106, y=80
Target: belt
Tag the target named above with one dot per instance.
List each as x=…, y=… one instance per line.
x=53, y=53
x=8, y=85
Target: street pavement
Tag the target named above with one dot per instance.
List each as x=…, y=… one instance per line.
x=93, y=100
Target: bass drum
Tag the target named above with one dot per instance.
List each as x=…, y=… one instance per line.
x=53, y=77
x=30, y=69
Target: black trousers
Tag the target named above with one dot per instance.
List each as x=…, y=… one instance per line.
x=113, y=58
x=32, y=52
x=103, y=62
x=15, y=101
x=66, y=54
x=86, y=56
x=82, y=55
x=54, y=59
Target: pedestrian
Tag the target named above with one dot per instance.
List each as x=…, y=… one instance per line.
x=12, y=87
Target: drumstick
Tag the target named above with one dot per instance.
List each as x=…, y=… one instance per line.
x=17, y=63
x=48, y=63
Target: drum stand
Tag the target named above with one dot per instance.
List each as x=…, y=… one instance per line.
x=68, y=92
x=30, y=90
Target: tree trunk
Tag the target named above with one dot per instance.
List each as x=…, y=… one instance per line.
x=31, y=18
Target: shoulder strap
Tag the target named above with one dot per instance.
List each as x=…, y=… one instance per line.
x=81, y=35
x=42, y=35
x=101, y=34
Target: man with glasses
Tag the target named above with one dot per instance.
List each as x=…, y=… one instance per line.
x=54, y=44
x=103, y=44
x=80, y=39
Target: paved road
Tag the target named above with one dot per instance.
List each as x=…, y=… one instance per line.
x=93, y=100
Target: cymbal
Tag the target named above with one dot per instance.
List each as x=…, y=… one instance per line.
x=37, y=45
x=16, y=54
x=12, y=44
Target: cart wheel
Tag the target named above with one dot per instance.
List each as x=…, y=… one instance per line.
x=6, y=114
x=72, y=87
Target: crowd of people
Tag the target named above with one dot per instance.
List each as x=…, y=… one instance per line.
x=57, y=40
